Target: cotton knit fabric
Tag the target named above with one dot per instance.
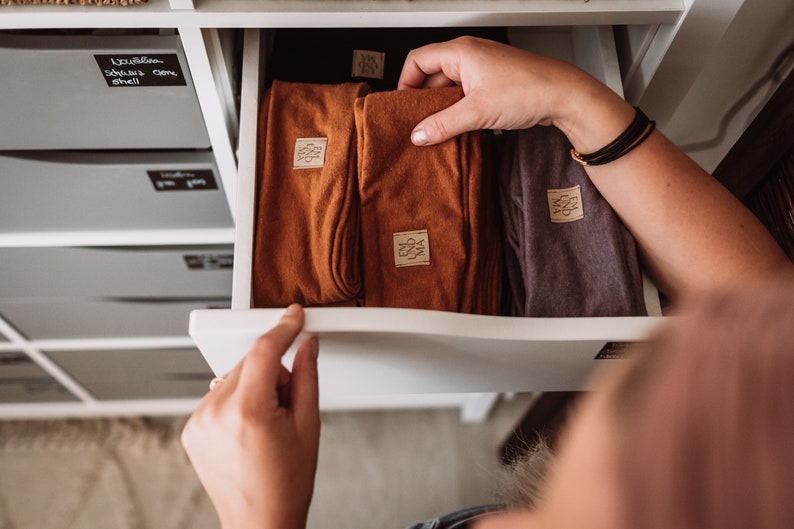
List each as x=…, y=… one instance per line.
x=434, y=201
x=306, y=243
x=569, y=268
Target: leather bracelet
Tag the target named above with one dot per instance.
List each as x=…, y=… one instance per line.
x=637, y=132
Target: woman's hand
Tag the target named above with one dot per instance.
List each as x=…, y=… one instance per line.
x=692, y=233
x=504, y=87
x=254, y=437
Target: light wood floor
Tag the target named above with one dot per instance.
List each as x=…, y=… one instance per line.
x=377, y=470
x=392, y=469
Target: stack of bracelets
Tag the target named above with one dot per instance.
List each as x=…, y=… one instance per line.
x=636, y=133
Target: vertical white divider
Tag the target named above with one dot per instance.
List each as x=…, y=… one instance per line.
x=50, y=367
x=220, y=49
x=252, y=80
x=478, y=407
x=212, y=106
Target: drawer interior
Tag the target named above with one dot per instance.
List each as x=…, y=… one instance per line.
x=592, y=48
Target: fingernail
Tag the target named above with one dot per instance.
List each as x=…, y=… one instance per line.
x=292, y=309
x=419, y=136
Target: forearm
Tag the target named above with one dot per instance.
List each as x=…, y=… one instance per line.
x=691, y=231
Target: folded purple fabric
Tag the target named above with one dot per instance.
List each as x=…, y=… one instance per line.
x=568, y=254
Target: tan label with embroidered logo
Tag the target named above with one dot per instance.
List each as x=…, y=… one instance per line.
x=368, y=64
x=309, y=152
x=411, y=248
x=565, y=205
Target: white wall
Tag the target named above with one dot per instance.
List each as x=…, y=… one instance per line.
x=760, y=31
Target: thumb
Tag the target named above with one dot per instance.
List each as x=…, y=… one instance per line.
x=305, y=388
x=446, y=124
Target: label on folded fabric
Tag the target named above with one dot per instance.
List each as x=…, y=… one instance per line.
x=411, y=248
x=368, y=64
x=309, y=152
x=565, y=205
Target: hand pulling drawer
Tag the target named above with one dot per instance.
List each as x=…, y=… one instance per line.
x=74, y=191
x=97, y=92
x=388, y=351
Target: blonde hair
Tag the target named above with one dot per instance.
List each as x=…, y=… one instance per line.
x=705, y=417
x=523, y=488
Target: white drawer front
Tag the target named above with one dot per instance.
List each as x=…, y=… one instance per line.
x=387, y=351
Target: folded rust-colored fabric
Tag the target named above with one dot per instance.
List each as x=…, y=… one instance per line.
x=429, y=229
x=568, y=254
x=306, y=243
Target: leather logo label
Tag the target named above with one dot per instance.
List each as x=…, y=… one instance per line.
x=411, y=248
x=565, y=205
x=309, y=152
x=368, y=64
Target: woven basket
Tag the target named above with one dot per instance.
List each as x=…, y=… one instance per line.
x=74, y=2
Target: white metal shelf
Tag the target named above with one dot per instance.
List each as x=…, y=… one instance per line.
x=346, y=13
x=117, y=238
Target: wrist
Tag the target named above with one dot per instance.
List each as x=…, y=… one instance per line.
x=261, y=516
x=591, y=114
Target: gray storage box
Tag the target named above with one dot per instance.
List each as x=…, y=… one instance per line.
x=57, y=319
x=59, y=191
x=21, y=380
x=195, y=272
x=97, y=92
x=137, y=374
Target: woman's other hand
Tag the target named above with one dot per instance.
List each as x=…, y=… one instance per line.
x=254, y=438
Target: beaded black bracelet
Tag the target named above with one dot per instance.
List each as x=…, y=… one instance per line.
x=636, y=133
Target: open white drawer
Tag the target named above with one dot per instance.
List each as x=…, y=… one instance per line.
x=379, y=351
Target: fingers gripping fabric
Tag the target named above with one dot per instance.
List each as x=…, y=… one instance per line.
x=429, y=234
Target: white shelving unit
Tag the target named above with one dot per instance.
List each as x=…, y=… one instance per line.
x=667, y=43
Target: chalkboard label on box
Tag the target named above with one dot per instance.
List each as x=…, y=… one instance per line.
x=209, y=261
x=160, y=69
x=183, y=180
